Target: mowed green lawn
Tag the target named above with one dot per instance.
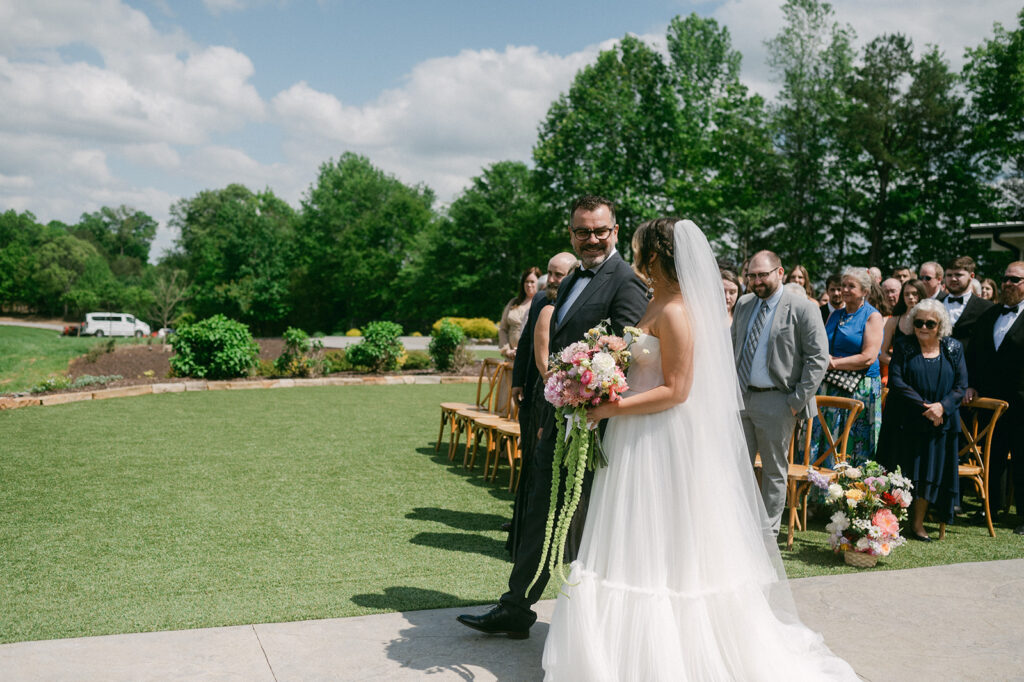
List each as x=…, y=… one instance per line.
x=29, y=355
x=221, y=508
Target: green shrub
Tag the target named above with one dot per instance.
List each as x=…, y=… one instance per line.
x=336, y=361
x=301, y=357
x=353, y=332
x=52, y=383
x=183, y=320
x=214, y=348
x=90, y=380
x=380, y=349
x=416, y=359
x=266, y=368
x=474, y=327
x=445, y=343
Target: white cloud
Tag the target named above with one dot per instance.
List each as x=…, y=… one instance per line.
x=452, y=116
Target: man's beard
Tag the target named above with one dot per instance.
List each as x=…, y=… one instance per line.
x=1011, y=297
x=552, y=290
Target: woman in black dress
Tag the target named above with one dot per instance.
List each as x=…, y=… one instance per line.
x=927, y=380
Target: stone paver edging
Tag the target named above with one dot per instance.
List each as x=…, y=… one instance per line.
x=203, y=385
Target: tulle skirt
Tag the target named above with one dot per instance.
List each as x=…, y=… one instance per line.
x=674, y=580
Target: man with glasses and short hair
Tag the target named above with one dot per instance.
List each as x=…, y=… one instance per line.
x=604, y=287
x=931, y=276
x=963, y=306
x=995, y=369
x=781, y=356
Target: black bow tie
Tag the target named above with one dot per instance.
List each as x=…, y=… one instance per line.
x=585, y=273
x=955, y=299
x=1009, y=309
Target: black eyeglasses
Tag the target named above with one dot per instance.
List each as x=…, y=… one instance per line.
x=583, y=235
x=1012, y=279
x=927, y=324
x=927, y=278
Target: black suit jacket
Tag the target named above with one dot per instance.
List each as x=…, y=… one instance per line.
x=524, y=369
x=972, y=311
x=997, y=373
x=614, y=293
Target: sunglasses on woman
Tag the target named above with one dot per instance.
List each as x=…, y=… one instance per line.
x=927, y=324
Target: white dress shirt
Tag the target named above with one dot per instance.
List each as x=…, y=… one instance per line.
x=759, y=376
x=1003, y=324
x=955, y=310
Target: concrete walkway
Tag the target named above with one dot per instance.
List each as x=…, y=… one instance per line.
x=958, y=622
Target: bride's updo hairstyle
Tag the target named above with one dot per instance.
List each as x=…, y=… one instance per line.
x=655, y=238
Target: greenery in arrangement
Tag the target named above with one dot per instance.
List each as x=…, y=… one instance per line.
x=236, y=507
x=874, y=151
x=380, y=350
x=302, y=356
x=214, y=348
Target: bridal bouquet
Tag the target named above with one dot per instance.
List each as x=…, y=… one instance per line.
x=869, y=504
x=585, y=374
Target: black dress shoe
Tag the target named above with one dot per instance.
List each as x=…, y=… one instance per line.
x=1019, y=530
x=507, y=526
x=919, y=538
x=501, y=620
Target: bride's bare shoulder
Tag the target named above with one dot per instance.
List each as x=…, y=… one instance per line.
x=672, y=318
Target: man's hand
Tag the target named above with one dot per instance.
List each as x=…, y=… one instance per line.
x=517, y=394
x=933, y=412
x=969, y=395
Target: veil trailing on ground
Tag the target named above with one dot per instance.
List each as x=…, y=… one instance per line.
x=716, y=390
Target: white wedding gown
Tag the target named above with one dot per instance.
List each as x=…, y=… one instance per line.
x=676, y=578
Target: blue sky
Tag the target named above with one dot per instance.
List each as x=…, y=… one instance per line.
x=143, y=102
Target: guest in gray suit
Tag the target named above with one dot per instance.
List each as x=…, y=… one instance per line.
x=781, y=357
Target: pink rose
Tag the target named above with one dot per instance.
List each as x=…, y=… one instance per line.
x=587, y=377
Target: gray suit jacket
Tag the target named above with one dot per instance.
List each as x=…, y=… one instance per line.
x=797, y=347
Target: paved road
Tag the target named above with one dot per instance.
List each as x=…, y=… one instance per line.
x=38, y=325
x=956, y=622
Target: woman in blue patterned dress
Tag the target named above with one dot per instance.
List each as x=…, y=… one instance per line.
x=854, y=339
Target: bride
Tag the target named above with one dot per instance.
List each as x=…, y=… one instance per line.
x=679, y=575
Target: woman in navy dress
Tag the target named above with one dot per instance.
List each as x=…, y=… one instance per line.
x=927, y=380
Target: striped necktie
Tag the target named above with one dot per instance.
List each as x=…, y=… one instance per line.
x=747, y=358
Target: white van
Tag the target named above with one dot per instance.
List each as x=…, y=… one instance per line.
x=113, y=324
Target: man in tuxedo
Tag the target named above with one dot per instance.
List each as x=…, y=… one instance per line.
x=604, y=287
x=963, y=307
x=995, y=369
x=931, y=276
x=834, y=287
x=781, y=355
x=525, y=378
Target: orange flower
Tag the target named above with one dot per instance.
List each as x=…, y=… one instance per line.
x=855, y=494
x=887, y=522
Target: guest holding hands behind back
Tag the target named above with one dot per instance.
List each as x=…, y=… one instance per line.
x=854, y=338
x=513, y=317
x=927, y=380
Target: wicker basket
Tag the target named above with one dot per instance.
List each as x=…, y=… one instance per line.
x=859, y=559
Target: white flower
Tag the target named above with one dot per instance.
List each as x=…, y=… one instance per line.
x=863, y=544
x=603, y=363
x=851, y=503
x=862, y=524
x=835, y=491
x=841, y=521
x=852, y=472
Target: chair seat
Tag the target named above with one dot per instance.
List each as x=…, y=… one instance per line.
x=508, y=428
x=455, y=407
x=473, y=413
x=798, y=472
x=966, y=470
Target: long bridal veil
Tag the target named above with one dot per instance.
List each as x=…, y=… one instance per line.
x=715, y=391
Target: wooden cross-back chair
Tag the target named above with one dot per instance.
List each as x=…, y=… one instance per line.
x=481, y=425
x=502, y=440
x=797, y=484
x=484, y=386
x=497, y=398
x=977, y=426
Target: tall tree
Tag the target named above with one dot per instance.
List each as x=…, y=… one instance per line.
x=614, y=133
x=358, y=230
x=813, y=55
x=236, y=247
x=498, y=226
x=121, y=231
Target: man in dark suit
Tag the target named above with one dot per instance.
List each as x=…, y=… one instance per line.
x=834, y=288
x=605, y=287
x=963, y=307
x=995, y=369
x=525, y=383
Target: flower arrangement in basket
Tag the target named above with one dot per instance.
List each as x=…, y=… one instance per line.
x=869, y=504
x=584, y=374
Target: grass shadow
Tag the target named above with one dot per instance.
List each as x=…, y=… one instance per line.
x=474, y=476
x=455, y=518
x=462, y=542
